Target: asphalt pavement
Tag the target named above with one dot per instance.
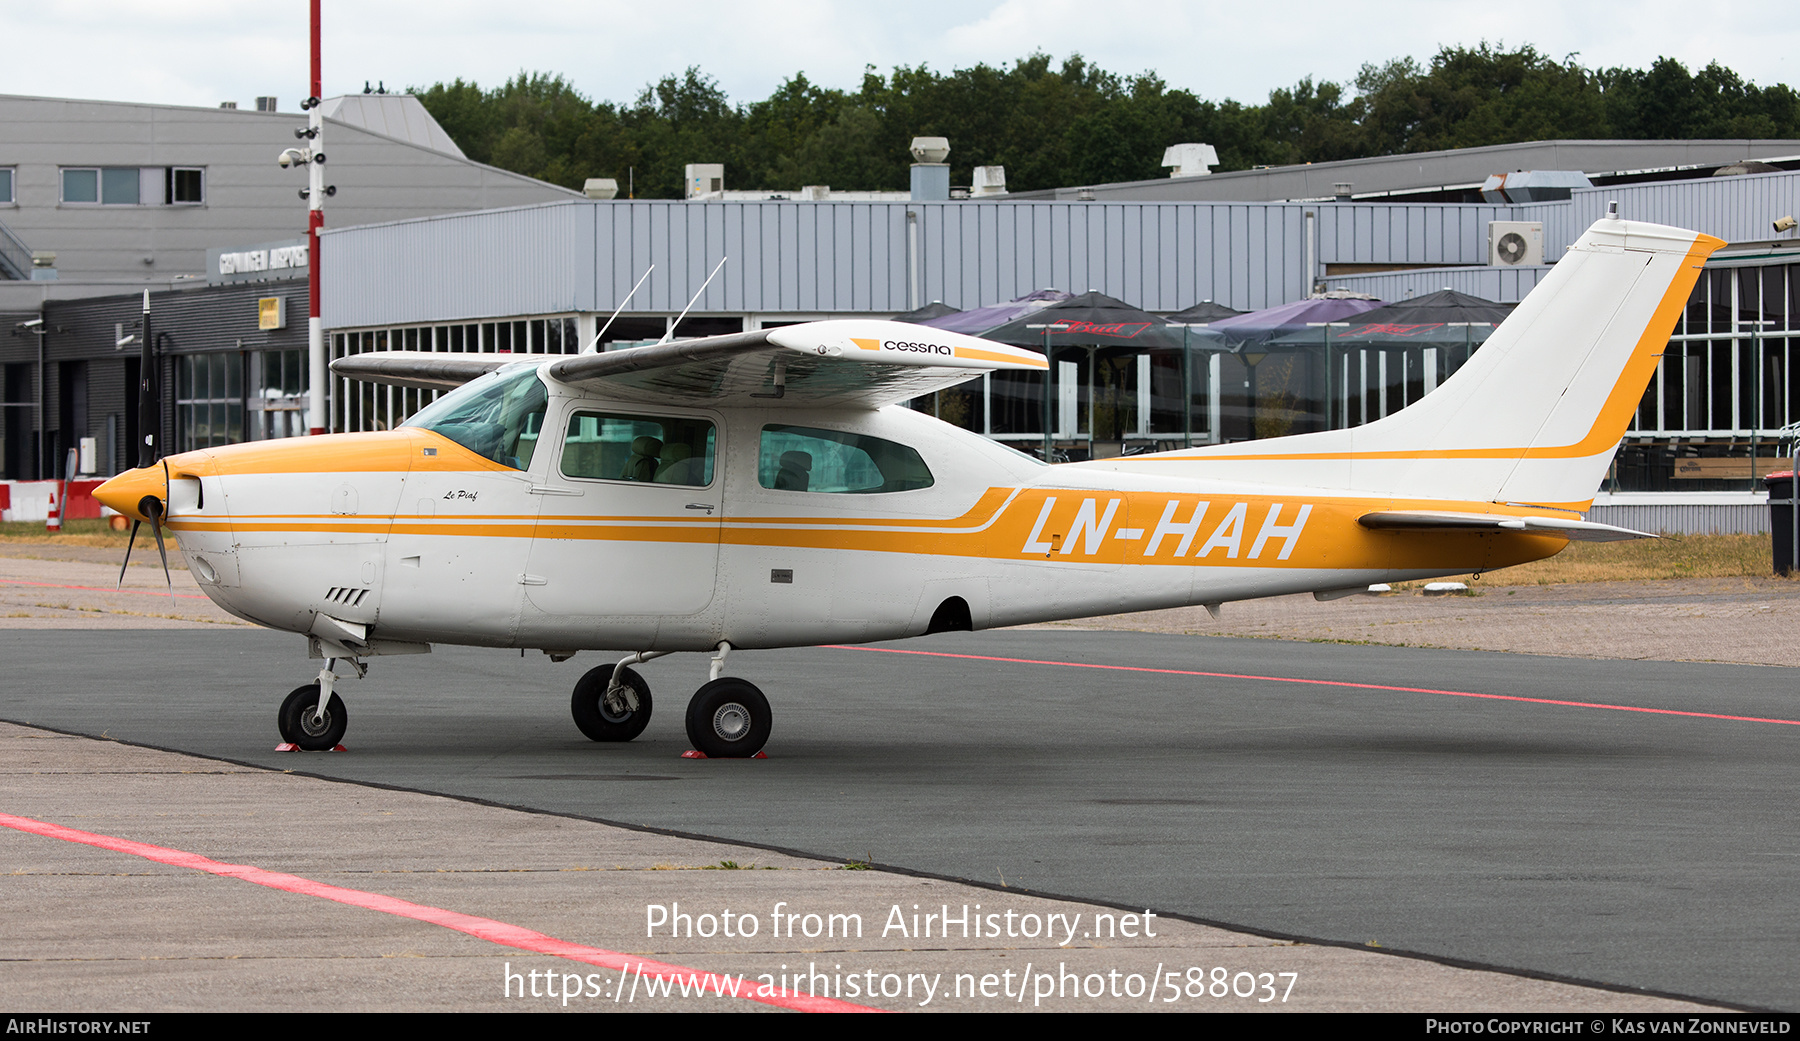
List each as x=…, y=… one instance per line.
x=1620, y=822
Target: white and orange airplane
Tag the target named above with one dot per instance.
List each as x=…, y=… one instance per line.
x=764, y=489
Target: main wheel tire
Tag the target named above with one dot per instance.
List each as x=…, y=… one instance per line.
x=301, y=725
x=588, y=706
x=729, y=719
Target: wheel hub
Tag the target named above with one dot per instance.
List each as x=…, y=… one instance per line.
x=731, y=722
x=314, y=722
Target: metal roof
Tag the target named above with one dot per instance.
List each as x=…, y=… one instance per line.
x=1429, y=171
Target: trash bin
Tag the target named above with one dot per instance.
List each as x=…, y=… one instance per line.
x=1781, y=519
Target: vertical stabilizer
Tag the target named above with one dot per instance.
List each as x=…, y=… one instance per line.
x=1535, y=415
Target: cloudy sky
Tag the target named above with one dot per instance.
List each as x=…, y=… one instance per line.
x=202, y=52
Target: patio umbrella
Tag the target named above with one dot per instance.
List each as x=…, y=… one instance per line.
x=1203, y=313
x=1436, y=319
x=1259, y=329
x=919, y=316
x=1090, y=320
x=978, y=320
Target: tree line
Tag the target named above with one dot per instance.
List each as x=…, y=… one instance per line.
x=1054, y=125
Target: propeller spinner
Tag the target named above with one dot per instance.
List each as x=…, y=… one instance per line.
x=142, y=495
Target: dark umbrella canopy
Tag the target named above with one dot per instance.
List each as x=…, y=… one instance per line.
x=978, y=320
x=1202, y=312
x=1091, y=320
x=919, y=316
x=1445, y=305
x=1260, y=329
x=1444, y=317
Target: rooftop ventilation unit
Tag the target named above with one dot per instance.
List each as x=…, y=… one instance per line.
x=600, y=188
x=1522, y=186
x=930, y=149
x=704, y=179
x=1190, y=159
x=989, y=181
x=265, y=104
x=1515, y=243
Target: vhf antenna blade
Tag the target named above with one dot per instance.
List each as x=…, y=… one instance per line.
x=596, y=340
x=670, y=335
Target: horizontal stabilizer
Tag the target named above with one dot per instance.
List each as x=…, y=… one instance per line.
x=1446, y=521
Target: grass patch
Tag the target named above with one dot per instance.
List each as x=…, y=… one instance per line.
x=1641, y=560
x=75, y=533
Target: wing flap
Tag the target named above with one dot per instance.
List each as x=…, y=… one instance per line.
x=1450, y=521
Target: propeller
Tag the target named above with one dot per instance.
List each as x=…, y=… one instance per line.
x=150, y=506
x=153, y=508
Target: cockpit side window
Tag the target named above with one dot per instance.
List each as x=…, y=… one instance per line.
x=653, y=449
x=498, y=417
x=805, y=459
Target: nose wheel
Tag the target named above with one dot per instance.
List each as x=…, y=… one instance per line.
x=729, y=719
x=304, y=726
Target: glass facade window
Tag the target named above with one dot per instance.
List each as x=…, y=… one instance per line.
x=81, y=186
x=209, y=400
x=133, y=185
x=278, y=407
x=186, y=185
x=1713, y=415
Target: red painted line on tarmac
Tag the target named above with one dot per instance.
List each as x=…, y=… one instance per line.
x=1328, y=683
x=99, y=589
x=502, y=933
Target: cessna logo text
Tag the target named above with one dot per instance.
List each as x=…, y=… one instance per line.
x=921, y=348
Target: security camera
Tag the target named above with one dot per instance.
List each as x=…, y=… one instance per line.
x=292, y=157
x=1786, y=223
x=32, y=323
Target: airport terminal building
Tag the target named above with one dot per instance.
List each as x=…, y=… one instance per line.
x=541, y=273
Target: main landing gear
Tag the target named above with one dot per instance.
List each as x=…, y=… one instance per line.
x=728, y=718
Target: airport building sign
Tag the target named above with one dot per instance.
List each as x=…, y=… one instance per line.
x=259, y=263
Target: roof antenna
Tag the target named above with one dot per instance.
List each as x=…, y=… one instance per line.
x=670, y=335
x=595, y=342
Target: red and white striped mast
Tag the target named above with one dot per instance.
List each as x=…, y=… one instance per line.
x=318, y=373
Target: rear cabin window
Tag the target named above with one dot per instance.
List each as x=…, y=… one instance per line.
x=653, y=449
x=805, y=459
x=498, y=416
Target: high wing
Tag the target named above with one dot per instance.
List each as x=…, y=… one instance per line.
x=1444, y=520
x=856, y=363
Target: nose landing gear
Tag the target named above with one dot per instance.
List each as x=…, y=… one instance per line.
x=312, y=718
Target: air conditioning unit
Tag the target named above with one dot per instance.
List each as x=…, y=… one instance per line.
x=1515, y=243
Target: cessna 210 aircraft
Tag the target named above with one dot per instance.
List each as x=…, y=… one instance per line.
x=764, y=489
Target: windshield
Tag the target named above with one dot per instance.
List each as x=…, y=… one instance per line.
x=497, y=416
